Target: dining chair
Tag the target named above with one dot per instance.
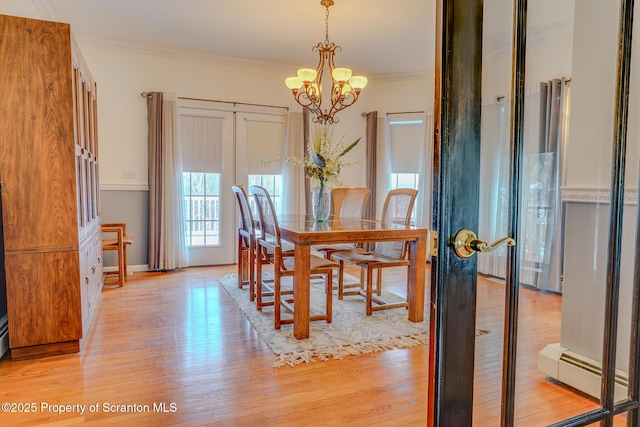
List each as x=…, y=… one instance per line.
x=270, y=246
x=350, y=202
x=118, y=244
x=347, y=203
x=246, y=242
x=397, y=209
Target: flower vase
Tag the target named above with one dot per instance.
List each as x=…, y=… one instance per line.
x=321, y=202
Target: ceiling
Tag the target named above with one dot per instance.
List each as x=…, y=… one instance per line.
x=377, y=37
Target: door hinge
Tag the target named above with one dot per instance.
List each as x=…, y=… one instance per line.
x=433, y=242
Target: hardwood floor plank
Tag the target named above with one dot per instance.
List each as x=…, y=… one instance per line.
x=178, y=338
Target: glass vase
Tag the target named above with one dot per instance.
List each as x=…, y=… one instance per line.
x=321, y=202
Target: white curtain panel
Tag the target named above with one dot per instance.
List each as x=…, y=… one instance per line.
x=494, y=183
x=173, y=247
x=541, y=210
x=423, y=200
x=292, y=175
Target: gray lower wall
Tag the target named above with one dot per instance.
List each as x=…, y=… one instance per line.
x=585, y=277
x=130, y=207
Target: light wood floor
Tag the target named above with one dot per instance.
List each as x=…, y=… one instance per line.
x=176, y=339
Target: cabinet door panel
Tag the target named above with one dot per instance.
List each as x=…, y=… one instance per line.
x=46, y=307
x=36, y=141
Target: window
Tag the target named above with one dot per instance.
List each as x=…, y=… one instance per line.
x=273, y=184
x=201, y=139
x=405, y=180
x=407, y=141
x=260, y=139
x=202, y=208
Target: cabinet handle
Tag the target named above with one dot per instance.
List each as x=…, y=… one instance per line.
x=86, y=279
x=98, y=260
x=93, y=268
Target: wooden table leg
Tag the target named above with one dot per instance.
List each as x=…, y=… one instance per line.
x=301, y=291
x=415, y=297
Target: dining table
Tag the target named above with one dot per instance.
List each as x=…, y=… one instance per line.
x=303, y=232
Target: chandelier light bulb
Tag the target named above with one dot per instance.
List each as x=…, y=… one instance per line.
x=341, y=74
x=294, y=83
x=345, y=89
x=307, y=74
x=358, y=82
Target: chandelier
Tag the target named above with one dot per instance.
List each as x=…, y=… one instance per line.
x=307, y=86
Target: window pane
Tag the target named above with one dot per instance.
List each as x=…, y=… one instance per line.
x=197, y=181
x=186, y=184
x=202, y=208
x=273, y=184
x=406, y=180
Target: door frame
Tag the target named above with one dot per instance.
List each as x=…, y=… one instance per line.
x=456, y=159
x=224, y=252
x=453, y=280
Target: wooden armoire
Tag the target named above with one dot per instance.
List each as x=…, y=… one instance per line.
x=50, y=192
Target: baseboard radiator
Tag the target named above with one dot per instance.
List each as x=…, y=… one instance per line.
x=4, y=335
x=578, y=371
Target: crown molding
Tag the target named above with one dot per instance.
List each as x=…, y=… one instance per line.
x=535, y=37
x=174, y=53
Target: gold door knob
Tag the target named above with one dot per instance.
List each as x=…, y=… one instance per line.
x=466, y=243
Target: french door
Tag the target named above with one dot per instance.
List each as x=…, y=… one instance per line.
x=224, y=144
x=601, y=276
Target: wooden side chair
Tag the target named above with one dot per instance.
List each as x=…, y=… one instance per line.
x=246, y=242
x=397, y=209
x=269, y=244
x=119, y=245
x=348, y=203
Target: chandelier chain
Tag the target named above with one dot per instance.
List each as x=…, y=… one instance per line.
x=326, y=27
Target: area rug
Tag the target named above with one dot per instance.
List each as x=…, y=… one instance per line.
x=351, y=332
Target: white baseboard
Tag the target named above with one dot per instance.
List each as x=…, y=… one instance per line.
x=130, y=268
x=578, y=371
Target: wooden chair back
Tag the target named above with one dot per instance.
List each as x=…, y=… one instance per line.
x=267, y=215
x=397, y=209
x=247, y=225
x=349, y=202
x=246, y=241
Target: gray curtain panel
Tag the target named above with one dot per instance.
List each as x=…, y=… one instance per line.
x=154, y=119
x=372, y=144
x=307, y=181
x=553, y=99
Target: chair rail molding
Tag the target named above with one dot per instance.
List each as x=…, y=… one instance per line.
x=596, y=195
x=124, y=187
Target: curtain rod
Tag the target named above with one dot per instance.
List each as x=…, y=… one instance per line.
x=501, y=97
x=406, y=112
x=147, y=94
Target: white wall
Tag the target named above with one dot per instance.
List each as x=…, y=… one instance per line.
x=548, y=57
x=122, y=75
x=588, y=179
x=592, y=97
x=411, y=93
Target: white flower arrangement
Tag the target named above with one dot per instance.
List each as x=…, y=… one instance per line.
x=323, y=161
